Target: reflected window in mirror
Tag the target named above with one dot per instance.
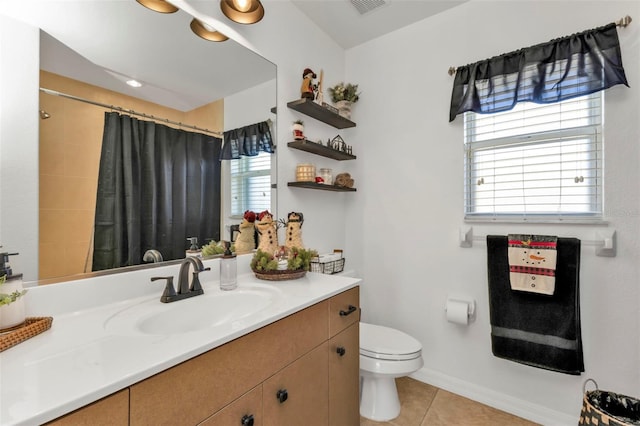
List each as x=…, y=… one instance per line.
x=250, y=179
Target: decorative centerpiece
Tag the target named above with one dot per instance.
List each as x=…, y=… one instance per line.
x=344, y=96
x=268, y=266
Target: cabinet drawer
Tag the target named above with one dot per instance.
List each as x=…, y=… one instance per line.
x=112, y=410
x=344, y=373
x=248, y=406
x=344, y=310
x=192, y=391
x=298, y=395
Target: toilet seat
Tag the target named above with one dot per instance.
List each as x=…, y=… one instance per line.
x=386, y=343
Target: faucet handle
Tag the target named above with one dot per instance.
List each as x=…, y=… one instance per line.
x=195, y=281
x=169, y=290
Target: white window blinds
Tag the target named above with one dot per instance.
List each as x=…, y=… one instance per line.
x=535, y=162
x=250, y=184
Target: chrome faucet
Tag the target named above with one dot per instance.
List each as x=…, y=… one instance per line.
x=185, y=289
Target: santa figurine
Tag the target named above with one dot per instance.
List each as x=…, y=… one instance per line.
x=307, y=91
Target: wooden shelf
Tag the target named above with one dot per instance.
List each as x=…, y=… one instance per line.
x=320, y=186
x=313, y=110
x=318, y=149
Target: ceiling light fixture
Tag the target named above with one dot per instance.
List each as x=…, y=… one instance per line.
x=242, y=11
x=207, y=32
x=134, y=83
x=158, y=5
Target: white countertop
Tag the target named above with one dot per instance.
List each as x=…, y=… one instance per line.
x=79, y=360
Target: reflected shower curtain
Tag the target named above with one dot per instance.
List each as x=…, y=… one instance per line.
x=157, y=186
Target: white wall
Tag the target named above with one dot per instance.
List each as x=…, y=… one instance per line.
x=409, y=205
x=19, y=145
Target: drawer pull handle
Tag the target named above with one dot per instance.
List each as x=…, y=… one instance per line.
x=282, y=395
x=247, y=420
x=351, y=310
x=341, y=351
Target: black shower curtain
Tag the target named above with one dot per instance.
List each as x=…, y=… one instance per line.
x=157, y=186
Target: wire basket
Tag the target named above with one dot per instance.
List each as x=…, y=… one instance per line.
x=330, y=267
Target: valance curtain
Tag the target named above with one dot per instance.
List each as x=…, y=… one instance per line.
x=157, y=186
x=560, y=69
x=247, y=141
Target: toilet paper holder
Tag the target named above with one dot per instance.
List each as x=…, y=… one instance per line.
x=471, y=306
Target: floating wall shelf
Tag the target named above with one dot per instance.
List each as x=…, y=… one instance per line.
x=318, y=149
x=313, y=110
x=320, y=186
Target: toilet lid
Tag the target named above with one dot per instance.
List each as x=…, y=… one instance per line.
x=381, y=342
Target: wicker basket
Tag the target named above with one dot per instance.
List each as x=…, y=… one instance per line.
x=32, y=327
x=330, y=267
x=279, y=275
x=608, y=408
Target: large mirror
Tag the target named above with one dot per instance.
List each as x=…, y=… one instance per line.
x=89, y=50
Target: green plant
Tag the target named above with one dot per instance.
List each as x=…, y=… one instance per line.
x=6, y=299
x=342, y=92
x=263, y=261
x=214, y=248
x=297, y=259
x=300, y=258
x=300, y=122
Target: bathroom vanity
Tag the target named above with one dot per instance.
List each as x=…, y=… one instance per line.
x=294, y=359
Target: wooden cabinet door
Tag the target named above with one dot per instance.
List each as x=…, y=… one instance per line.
x=344, y=310
x=245, y=411
x=344, y=377
x=298, y=394
x=191, y=392
x=112, y=410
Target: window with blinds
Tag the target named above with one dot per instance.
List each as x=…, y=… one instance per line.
x=535, y=162
x=250, y=184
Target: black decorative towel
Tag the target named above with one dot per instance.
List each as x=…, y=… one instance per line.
x=536, y=329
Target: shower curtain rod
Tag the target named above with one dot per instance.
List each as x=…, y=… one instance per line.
x=129, y=111
x=622, y=22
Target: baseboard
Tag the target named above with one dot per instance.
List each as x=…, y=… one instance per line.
x=532, y=412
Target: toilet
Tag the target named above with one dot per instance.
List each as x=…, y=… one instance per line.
x=385, y=354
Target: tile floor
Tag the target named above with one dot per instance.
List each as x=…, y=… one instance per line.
x=425, y=405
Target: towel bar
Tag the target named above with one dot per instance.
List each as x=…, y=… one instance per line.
x=605, y=241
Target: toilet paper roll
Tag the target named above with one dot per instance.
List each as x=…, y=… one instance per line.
x=457, y=312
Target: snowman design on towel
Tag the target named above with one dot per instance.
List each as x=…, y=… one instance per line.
x=532, y=263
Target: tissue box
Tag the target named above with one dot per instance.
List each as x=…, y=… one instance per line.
x=329, y=263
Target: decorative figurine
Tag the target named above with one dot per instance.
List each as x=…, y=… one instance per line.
x=246, y=241
x=267, y=233
x=294, y=230
x=307, y=90
x=298, y=130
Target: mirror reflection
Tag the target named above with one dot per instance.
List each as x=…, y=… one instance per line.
x=177, y=87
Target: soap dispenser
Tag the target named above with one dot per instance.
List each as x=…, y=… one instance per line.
x=193, y=248
x=228, y=269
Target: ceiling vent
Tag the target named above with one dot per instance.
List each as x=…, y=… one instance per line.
x=366, y=6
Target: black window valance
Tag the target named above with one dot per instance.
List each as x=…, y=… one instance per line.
x=560, y=69
x=247, y=141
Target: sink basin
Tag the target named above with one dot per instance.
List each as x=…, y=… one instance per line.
x=215, y=308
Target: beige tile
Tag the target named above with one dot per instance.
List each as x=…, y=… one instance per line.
x=77, y=258
x=451, y=409
x=51, y=192
x=81, y=160
x=80, y=193
x=415, y=399
x=78, y=225
x=52, y=226
x=51, y=261
x=367, y=422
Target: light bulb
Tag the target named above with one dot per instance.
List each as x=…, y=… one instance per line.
x=242, y=5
